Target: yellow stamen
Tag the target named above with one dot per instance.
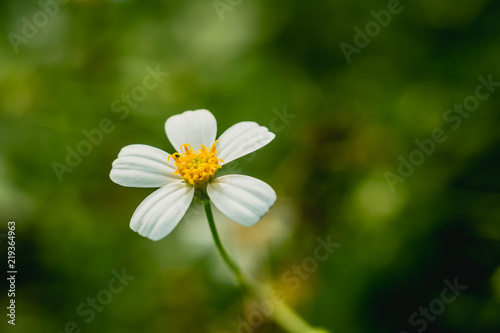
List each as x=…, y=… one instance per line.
x=197, y=168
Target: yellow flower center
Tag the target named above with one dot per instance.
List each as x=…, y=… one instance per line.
x=197, y=168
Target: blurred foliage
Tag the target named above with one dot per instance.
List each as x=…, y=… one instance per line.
x=351, y=123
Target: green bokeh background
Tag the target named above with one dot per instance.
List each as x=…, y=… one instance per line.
x=351, y=122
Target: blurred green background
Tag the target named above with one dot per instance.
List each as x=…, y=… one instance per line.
x=348, y=124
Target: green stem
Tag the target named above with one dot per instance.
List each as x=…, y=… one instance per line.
x=282, y=314
x=222, y=251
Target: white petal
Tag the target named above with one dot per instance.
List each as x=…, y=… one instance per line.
x=242, y=198
x=162, y=210
x=241, y=139
x=194, y=127
x=143, y=166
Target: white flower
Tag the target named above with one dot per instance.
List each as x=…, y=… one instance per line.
x=242, y=198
